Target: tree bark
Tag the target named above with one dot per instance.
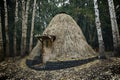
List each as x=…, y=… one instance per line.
x=24, y=26
x=1, y=39
x=1, y=42
x=115, y=30
x=23, y=40
x=6, y=28
x=15, y=32
x=99, y=32
x=32, y=26
x=26, y=21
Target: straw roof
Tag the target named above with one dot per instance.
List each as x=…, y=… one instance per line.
x=70, y=42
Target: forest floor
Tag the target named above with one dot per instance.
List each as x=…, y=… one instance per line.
x=15, y=69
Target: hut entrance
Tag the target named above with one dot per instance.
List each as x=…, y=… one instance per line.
x=47, y=43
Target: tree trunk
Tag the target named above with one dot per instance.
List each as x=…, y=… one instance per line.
x=32, y=27
x=115, y=31
x=99, y=32
x=0, y=33
x=26, y=21
x=23, y=40
x=15, y=34
x=24, y=26
x=6, y=28
x=1, y=39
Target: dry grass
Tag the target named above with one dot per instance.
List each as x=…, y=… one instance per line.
x=86, y=65
x=70, y=42
x=35, y=51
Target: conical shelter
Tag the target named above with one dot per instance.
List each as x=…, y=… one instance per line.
x=69, y=42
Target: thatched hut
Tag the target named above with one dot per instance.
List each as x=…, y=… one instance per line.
x=69, y=42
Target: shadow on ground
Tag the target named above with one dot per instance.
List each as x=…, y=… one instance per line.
x=57, y=65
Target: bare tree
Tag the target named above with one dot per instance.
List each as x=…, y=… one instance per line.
x=24, y=25
x=16, y=21
x=1, y=40
x=26, y=18
x=23, y=40
x=32, y=26
x=26, y=14
x=115, y=31
x=6, y=28
x=99, y=32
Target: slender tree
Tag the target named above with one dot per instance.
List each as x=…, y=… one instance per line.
x=24, y=26
x=23, y=40
x=6, y=28
x=1, y=40
x=99, y=32
x=26, y=22
x=16, y=21
x=115, y=30
x=32, y=26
